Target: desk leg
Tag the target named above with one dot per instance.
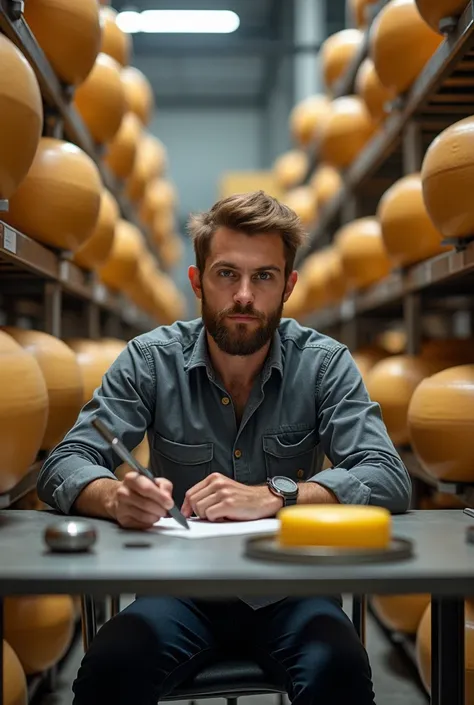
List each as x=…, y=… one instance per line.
x=1, y=659
x=447, y=650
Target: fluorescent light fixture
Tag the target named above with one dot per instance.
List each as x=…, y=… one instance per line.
x=179, y=21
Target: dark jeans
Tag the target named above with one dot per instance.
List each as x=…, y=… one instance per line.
x=143, y=653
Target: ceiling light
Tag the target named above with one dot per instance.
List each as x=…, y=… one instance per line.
x=179, y=21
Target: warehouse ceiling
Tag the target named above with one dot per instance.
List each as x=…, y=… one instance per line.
x=226, y=70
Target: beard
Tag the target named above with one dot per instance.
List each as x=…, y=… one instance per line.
x=240, y=339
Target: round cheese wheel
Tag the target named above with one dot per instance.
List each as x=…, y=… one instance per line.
x=295, y=306
x=139, y=93
x=441, y=426
x=122, y=263
x=336, y=282
x=433, y=11
x=357, y=8
x=307, y=117
x=100, y=100
x=337, y=52
x=365, y=358
x=58, y=202
x=343, y=526
x=446, y=174
x=21, y=117
x=62, y=376
x=372, y=91
x=326, y=182
x=39, y=629
x=362, y=251
x=93, y=362
x=394, y=341
x=23, y=411
x=94, y=252
x=345, y=132
x=401, y=44
x=400, y=613
x=122, y=149
x=150, y=163
x=115, y=42
x=15, y=687
x=408, y=233
x=160, y=195
x=313, y=273
x=290, y=168
x=302, y=201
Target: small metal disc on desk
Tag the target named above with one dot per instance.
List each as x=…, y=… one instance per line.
x=267, y=547
x=70, y=536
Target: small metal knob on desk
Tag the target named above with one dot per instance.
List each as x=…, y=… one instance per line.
x=70, y=536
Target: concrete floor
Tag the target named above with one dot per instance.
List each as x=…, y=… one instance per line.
x=393, y=681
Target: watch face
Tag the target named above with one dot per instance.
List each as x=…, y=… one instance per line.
x=284, y=484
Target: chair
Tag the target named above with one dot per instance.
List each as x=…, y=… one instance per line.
x=229, y=677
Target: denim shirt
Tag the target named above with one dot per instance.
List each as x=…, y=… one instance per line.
x=308, y=401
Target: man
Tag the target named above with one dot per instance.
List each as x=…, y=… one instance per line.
x=231, y=403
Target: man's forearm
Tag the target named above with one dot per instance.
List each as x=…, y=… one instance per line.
x=312, y=493
x=97, y=499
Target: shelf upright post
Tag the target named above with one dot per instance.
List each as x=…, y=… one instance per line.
x=53, y=308
x=412, y=147
x=93, y=320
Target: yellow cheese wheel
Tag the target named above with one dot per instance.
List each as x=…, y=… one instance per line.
x=100, y=100
x=21, y=117
x=69, y=33
x=122, y=263
x=295, y=306
x=343, y=526
x=39, y=629
x=423, y=650
x=391, y=383
x=357, y=9
x=94, y=252
x=433, y=11
x=372, y=91
x=365, y=358
x=401, y=44
x=302, y=201
x=139, y=93
x=160, y=195
x=345, y=132
x=400, y=613
x=121, y=151
x=337, y=52
x=326, y=183
x=93, y=362
x=441, y=424
x=171, y=252
x=362, y=251
x=115, y=42
x=313, y=273
x=23, y=411
x=58, y=202
x=15, y=687
x=290, y=168
x=150, y=162
x=307, y=117
x=446, y=174
x=408, y=233
x=393, y=341
x=62, y=376
x=336, y=282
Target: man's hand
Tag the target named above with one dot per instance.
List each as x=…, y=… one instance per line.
x=139, y=503
x=218, y=497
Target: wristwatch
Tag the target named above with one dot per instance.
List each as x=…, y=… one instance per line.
x=284, y=487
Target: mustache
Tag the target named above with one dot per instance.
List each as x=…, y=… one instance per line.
x=238, y=310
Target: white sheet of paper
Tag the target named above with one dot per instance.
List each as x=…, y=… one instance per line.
x=199, y=529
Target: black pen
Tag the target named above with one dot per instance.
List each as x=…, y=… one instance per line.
x=127, y=457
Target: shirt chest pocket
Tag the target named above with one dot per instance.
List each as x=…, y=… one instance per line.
x=293, y=455
x=184, y=465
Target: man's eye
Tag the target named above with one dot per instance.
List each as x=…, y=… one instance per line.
x=225, y=273
x=264, y=275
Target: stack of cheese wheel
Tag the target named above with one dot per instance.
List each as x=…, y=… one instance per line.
x=302, y=201
x=326, y=182
x=400, y=613
x=121, y=265
x=446, y=174
x=362, y=251
x=376, y=96
x=15, y=687
x=138, y=93
x=140, y=288
x=100, y=100
x=157, y=208
x=408, y=233
x=21, y=117
x=39, y=629
x=23, y=411
x=150, y=163
x=313, y=274
x=62, y=376
x=140, y=453
x=121, y=151
x=338, y=51
x=366, y=357
x=96, y=249
x=93, y=361
x=345, y=132
x=115, y=42
x=441, y=426
x=401, y=43
x=168, y=302
x=340, y=526
x=69, y=33
x=423, y=650
x=435, y=11
x=306, y=119
x=290, y=168
x=58, y=202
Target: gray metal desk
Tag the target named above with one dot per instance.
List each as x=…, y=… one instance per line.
x=443, y=565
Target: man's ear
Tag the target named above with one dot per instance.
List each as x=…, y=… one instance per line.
x=194, y=276
x=290, y=285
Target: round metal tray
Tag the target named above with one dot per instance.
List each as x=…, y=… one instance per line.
x=266, y=547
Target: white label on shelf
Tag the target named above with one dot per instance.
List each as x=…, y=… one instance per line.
x=100, y=293
x=9, y=239
x=64, y=270
x=348, y=309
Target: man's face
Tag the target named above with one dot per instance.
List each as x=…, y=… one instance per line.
x=243, y=290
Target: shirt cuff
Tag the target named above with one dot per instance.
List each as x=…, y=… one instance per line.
x=67, y=492
x=347, y=488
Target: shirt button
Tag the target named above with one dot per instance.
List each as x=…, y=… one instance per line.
x=238, y=453
x=225, y=400
x=300, y=473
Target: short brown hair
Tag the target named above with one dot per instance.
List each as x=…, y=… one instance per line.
x=251, y=213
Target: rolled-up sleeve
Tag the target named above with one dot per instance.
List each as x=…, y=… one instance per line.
x=367, y=468
x=124, y=402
